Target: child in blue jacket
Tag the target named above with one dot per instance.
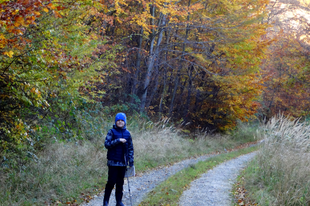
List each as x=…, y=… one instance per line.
x=120, y=154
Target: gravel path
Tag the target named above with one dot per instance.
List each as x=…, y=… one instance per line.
x=141, y=185
x=213, y=188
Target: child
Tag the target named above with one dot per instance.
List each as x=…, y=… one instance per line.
x=120, y=154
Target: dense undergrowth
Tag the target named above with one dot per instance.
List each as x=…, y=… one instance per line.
x=279, y=175
x=72, y=168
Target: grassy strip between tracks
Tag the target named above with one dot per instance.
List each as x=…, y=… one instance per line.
x=170, y=191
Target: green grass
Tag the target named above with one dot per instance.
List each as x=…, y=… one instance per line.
x=170, y=191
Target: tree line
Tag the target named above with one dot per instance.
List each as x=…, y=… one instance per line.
x=205, y=64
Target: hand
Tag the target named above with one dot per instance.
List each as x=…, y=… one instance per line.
x=122, y=140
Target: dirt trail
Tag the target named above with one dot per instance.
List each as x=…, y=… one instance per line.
x=213, y=188
x=141, y=185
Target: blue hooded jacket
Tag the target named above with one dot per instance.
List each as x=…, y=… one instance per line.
x=119, y=154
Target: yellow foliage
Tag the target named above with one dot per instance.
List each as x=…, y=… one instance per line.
x=9, y=54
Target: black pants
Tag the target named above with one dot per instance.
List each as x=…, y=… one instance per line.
x=116, y=177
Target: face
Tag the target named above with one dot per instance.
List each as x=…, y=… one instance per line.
x=120, y=123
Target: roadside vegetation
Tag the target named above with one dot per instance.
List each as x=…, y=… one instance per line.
x=71, y=171
x=279, y=175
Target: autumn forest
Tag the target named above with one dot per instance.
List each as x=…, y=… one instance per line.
x=202, y=64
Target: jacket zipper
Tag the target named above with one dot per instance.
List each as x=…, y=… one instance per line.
x=124, y=151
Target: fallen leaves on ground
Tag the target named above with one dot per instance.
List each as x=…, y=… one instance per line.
x=242, y=197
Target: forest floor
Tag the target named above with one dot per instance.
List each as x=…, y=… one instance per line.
x=212, y=188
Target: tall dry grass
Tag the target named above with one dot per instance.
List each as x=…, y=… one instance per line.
x=64, y=170
x=160, y=145
x=281, y=171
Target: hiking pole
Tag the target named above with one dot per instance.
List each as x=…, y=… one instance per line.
x=129, y=191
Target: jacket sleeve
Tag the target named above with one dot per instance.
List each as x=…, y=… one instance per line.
x=130, y=152
x=109, y=142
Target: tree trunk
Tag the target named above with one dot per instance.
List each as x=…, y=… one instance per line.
x=163, y=94
x=151, y=61
x=179, y=69
x=153, y=91
x=136, y=75
x=189, y=93
x=165, y=78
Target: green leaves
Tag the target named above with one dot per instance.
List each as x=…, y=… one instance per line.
x=46, y=54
